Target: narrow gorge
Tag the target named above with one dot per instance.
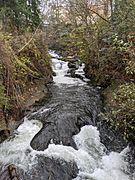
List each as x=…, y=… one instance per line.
x=63, y=138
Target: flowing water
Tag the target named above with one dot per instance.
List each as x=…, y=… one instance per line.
x=61, y=134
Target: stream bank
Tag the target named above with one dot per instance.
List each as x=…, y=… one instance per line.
x=24, y=74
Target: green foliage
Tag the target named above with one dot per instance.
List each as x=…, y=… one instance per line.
x=122, y=110
x=124, y=97
x=20, y=14
x=117, y=63
x=124, y=17
x=33, y=61
x=24, y=69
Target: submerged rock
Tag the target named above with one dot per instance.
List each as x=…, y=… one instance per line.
x=68, y=110
x=51, y=169
x=9, y=173
x=46, y=169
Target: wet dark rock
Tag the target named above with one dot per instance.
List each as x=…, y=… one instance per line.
x=111, y=138
x=9, y=172
x=72, y=73
x=54, y=73
x=74, y=63
x=78, y=76
x=69, y=110
x=4, y=134
x=82, y=121
x=131, y=157
x=4, y=174
x=51, y=169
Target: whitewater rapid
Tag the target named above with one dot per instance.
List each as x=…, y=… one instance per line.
x=91, y=157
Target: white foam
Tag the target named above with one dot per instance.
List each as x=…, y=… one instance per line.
x=61, y=69
x=41, y=111
x=108, y=167
x=53, y=54
x=90, y=158
x=18, y=150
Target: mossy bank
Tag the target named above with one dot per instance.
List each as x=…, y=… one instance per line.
x=25, y=71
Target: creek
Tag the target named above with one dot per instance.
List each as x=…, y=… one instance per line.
x=59, y=140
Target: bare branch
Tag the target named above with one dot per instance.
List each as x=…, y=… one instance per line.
x=99, y=16
x=30, y=39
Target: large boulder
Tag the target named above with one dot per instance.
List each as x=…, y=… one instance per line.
x=74, y=65
x=67, y=111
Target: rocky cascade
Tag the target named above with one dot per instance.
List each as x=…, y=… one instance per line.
x=59, y=139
